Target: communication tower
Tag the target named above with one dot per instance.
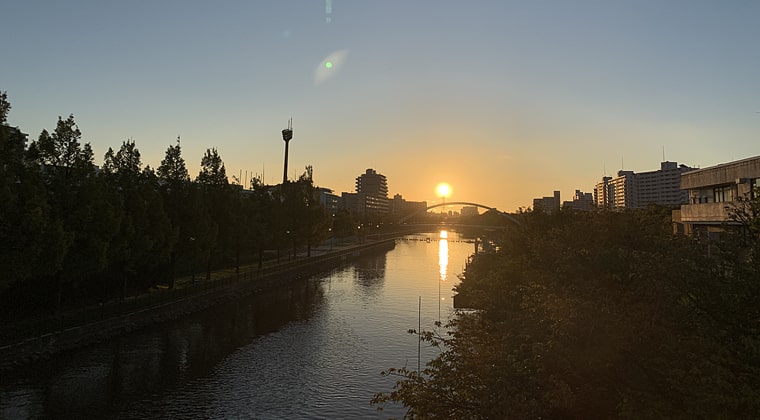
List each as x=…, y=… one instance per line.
x=287, y=134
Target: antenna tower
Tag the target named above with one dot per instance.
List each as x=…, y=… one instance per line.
x=287, y=134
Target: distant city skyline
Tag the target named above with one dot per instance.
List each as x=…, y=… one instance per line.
x=503, y=100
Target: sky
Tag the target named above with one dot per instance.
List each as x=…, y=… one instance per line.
x=504, y=100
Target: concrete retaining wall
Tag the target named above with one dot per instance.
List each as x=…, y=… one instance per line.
x=31, y=349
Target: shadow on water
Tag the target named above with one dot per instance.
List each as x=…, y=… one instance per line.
x=105, y=378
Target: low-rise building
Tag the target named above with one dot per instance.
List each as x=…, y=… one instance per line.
x=329, y=200
x=711, y=191
x=402, y=208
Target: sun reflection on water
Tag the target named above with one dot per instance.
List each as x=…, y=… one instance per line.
x=443, y=254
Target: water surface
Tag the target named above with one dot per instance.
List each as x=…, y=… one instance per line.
x=313, y=349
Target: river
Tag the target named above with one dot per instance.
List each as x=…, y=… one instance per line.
x=312, y=349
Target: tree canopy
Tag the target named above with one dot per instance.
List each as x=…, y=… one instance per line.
x=597, y=315
x=74, y=235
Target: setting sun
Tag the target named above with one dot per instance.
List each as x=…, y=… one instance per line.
x=443, y=190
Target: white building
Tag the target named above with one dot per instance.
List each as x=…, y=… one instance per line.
x=630, y=190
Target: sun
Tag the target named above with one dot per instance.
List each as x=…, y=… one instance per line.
x=443, y=190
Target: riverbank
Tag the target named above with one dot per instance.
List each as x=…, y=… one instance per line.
x=173, y=304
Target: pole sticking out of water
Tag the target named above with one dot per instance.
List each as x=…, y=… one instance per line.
x=419, y=331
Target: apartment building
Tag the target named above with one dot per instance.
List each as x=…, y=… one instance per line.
x=631, y=190
x=371, y=196
x=547, y=204
x=581, y=201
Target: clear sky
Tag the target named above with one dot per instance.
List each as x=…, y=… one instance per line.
x=505, y=100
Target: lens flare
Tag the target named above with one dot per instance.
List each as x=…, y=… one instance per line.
x=329, y=66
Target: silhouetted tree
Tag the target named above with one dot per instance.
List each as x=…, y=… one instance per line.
x=175, y=183
x=33, y=242
x=215, y=189
x=172, y=170
x=74, y=194
x=212, y=172
x=343, y=224
x=144, y=236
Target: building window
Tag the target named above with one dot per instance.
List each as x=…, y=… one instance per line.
x=723, y=194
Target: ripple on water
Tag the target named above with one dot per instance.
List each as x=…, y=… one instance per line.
x=315, y=350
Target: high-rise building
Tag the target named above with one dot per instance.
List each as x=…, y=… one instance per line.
x=371, y=197
x=602, y=193
x=630, y=190
x=372, y=183
x=664, y=186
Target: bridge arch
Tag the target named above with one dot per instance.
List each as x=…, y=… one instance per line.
x=462, y=203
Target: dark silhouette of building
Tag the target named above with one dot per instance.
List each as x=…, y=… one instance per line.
x=547, y=204
x=581, y=201
x=401, y=208
x=372, y=183
x=371, y=197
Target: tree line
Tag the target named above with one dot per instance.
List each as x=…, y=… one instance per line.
x=72, y=233
x=600, y=315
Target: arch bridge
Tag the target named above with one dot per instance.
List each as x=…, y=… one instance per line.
x=462, y=203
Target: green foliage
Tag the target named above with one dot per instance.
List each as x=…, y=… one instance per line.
x=32, y=241
x=172, y=169
x=125, y=165
x=745, y=212
x=212, y=170
x=62, y=150
x=303, y=218
x=343, y=224
x=597, y=315
x=73, y=236
x=5, y=107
